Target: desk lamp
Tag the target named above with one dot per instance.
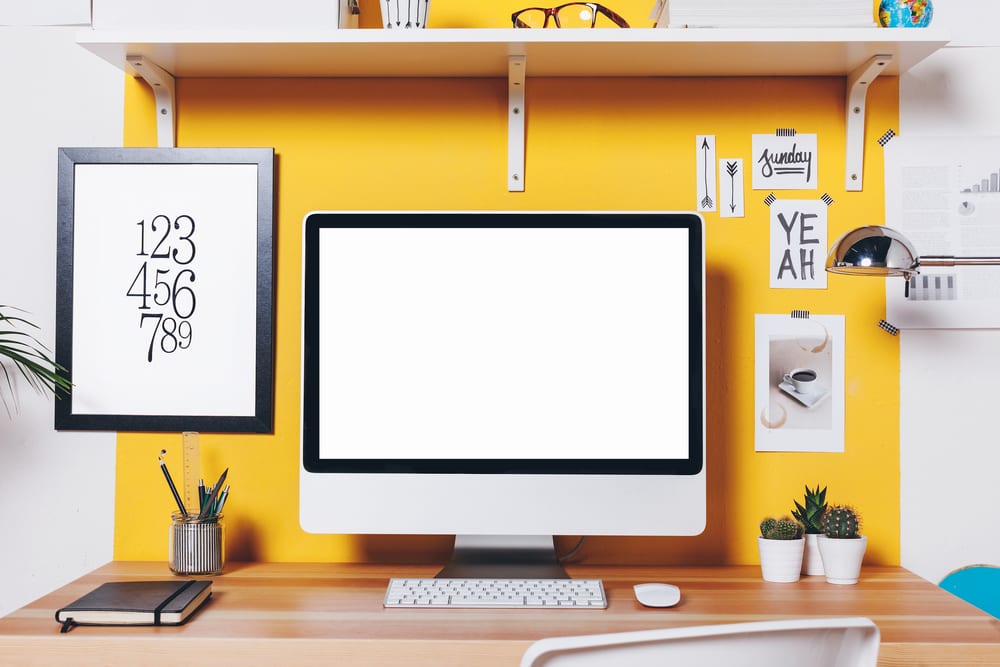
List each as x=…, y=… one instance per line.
x=874, y=250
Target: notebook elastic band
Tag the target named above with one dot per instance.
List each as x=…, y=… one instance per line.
x=156, y=612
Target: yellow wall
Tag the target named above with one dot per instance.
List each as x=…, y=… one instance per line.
x=591, y=144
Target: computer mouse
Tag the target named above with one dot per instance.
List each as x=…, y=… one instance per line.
x=657, y=595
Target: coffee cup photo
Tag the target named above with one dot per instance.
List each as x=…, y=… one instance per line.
x=803, y=380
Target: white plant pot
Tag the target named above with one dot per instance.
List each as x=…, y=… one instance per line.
x=781, y=560
x=812, y=562
x=842, y=558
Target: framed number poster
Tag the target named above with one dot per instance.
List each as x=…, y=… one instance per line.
x=164, y=313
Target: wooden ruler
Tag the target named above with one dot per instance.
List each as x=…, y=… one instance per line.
x=191, y=452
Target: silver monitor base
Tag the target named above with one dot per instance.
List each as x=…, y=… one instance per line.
x=503, y=557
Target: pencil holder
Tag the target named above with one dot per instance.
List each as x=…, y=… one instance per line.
x=404, y=14
x=197, y=546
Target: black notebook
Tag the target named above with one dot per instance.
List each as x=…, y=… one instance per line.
x=136, y=603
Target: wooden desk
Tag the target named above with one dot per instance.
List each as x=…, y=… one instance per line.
x=328, y=614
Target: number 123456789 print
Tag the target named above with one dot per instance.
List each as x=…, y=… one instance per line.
x=165, y=289
x=164, y=284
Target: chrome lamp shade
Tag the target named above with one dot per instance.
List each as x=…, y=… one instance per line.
x=872, y=251
x=880, y=251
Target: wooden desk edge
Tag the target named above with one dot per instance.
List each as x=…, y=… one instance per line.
x=30, y=636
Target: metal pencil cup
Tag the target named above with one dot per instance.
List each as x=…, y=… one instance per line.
x=197, y=546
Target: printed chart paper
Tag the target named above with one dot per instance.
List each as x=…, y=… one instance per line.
x=943, y=194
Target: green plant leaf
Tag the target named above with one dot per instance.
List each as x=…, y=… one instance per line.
x=21, y=353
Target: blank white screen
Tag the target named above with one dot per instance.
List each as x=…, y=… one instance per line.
x=519, y=343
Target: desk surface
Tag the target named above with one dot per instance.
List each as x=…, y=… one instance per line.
x=322, y=614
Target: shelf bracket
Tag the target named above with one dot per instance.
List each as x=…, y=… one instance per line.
x=162, y=83
x=515, y=123
x=857, y=95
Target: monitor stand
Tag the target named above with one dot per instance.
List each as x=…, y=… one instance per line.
x=503, y=557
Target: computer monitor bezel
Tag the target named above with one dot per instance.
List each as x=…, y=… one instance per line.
x=692, y=464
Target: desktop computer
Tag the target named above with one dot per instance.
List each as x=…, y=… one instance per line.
x=503, y=377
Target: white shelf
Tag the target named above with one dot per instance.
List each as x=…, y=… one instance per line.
x=486, y=52
x=859, y=54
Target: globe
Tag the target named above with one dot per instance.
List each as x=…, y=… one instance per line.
x=905, y=13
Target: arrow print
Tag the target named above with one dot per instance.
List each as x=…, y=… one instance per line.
x=707, y=201
x=732, y=168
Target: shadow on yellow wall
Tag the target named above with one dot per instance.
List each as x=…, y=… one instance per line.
x=591, y=144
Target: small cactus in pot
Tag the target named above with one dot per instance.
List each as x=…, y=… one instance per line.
x=810, y=514
x=780, y=544
x=785, y=528
x=841, y=544
x=841, y=522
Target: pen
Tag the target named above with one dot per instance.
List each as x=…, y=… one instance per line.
x=220, y=503
x=210, y=501
x=170, y=483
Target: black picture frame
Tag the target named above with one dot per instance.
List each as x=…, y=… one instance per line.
x=201, y=283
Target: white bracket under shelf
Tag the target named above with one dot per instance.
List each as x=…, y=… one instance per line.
x=858, y=82
x=515, y=124
x=162, y=83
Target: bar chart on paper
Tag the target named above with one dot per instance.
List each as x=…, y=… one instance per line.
x=943, y=194
x=990, y=183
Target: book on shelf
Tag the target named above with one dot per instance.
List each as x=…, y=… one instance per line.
x=763, y=14
x=165, y=602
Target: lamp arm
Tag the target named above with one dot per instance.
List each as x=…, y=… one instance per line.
x=947, y=260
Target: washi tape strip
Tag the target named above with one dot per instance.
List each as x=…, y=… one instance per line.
x=885, y=326
x=886, y=138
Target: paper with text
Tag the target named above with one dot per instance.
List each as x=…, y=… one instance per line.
x=798, y=243
x=785, y=161
x=943, y=194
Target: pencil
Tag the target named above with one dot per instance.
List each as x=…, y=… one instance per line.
x=170, y=483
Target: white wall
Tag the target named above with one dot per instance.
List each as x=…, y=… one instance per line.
x=56, y=489
x=948, y=407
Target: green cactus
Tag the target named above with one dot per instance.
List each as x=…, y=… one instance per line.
x=841, y=522
x=811, y=514
x=785, y=528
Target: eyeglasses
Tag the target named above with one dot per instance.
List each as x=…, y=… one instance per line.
x=570, y=15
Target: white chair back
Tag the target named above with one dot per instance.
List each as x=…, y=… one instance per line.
x=826, y=642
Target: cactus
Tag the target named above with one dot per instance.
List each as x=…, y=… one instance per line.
x=785, y=528
x=811, y=514
x=841, y=522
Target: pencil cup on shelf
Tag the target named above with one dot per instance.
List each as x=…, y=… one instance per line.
x=404, y=13
x=197, y=546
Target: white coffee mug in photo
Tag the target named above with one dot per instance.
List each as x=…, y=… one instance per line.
x=803, y=380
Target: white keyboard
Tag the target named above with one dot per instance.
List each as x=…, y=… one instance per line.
x=496, y=593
